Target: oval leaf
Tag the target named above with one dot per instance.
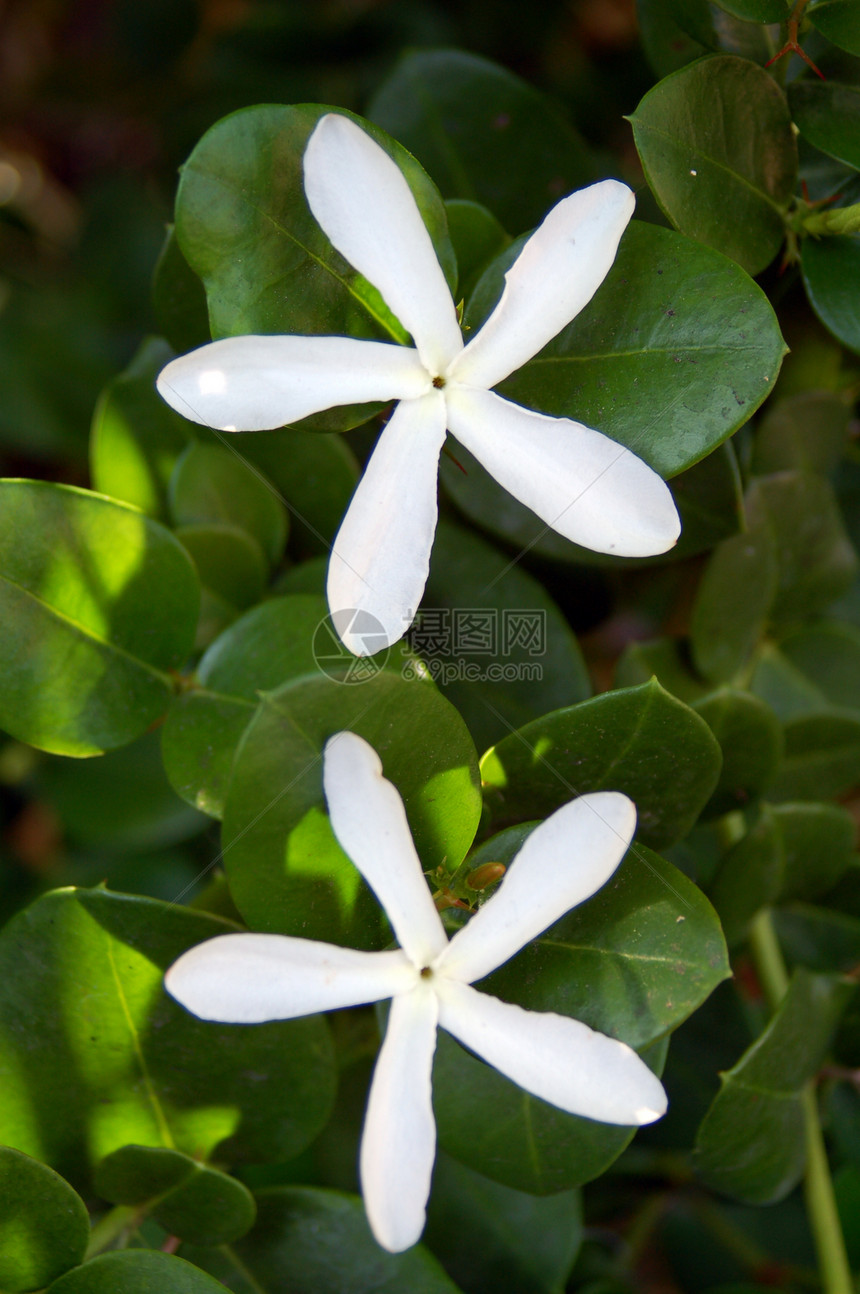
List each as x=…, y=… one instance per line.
x=831, y=267
x=136, y=1271
x=44, y=1224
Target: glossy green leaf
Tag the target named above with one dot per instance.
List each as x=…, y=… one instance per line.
x=245, y=228
x=675, y=32
x=97, y=602
x=94, y=1055
x=185, y=1197
x=268, y=645
x=212, y=484
x=478, y=130
x=135, y=437
x=815, y=557
x=497, y=1249
x=136, y=1271
x=828, y=115
x=756, y=10
x=822, y=756
x=718, y=151
x=830, y=269
x=179, y=298
x=676, y=350
x=44, y=1225
x=232, y=570
x=806, y=431
x=641, y=741
x=838, y=20
x=477, y=238
x=750, y=876
x=318, y=1242
x=751, y=741
x=287, y=872
x=732, y=603
x=751, y=1144
x=492, y=639
x=667, y=660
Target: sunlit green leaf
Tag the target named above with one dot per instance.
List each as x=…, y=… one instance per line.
x=44, y=1225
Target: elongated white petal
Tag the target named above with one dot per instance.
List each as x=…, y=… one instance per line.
x=369, y=820
x=554, y=277
x=258, y=383
x=558, y=1059
x=582, y=484
x=381, y=555
x=246, y=979
x=564, y=861
x=362, y=201
x=398, y=1144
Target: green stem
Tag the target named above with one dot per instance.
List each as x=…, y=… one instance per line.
x=821, y=1208
x=116, y=1224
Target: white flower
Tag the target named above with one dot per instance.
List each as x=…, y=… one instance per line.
x=582, y=484
x=250, y=978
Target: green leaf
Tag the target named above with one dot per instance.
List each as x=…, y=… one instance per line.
x=477, y=238
x=232, y=570
x=212, y=485
x=828, y=115
x=245, y=228
x=676, y=350
x=268, y=645
x=179, y=298
x=838, y=20
x=806, y=431
x=44, y=1225
x=816, y=559
x=751, y=1144
x=749, y=877
x=492, y=639
x=716, y=144
x=136, y=1271
x=667, y=660
x=830, y=269
x=97, y=602
x=751, y=740
x=818, y=938
x=675, y=32
x=185, y=1197
x=756, y=10
x=818, y=840
x=827, y=657
x=732, y=603
x=822, y=755
x=478, y=130
x=287, y=872
x=497, y=1249
x=135, y=437
x=640, y=740
x=318, y=1242
x=84, y=1073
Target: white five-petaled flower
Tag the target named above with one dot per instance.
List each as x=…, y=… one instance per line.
x=578, y=481
x=251, y=978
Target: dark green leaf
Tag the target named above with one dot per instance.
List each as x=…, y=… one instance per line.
x=477, y=238
x=179, y=298
x=496, y=1249
x=94, y=1055
x=318, y=1242
x=135, y=437
x=751, y=740
x=478, y=130
x=232, y=570
x=676, y=350
x=818, y=840
x=806, y=431
x=818, y=938
x=827, y=656
x=136, y=1271
x=667, y=660
x=641, y=741
x=287, y=872
x=97, y=603
x=269, y=644
x=822, y=758
x=214, y=486
x=838, y=20
x=43, y=1223
x=750, y=876
x=500, y=650
x=716, y=143
x=185, y=1197
x=830, y=270
x=756, y=10
x=828, y=115
x=675, y=32
x=732, y=603
x=751, y=1144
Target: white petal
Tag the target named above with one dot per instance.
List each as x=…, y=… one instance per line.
x=258, y=383
x=564, y=861
x=558, y=1059
x=398, y=1144
x=369, y=820
x=381, y=554
x=246, y=979
x=362, y=201
x=582, y=484
x=554, y=277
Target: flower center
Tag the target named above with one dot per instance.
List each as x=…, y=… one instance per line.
x=427, y=972
x=438, y=382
